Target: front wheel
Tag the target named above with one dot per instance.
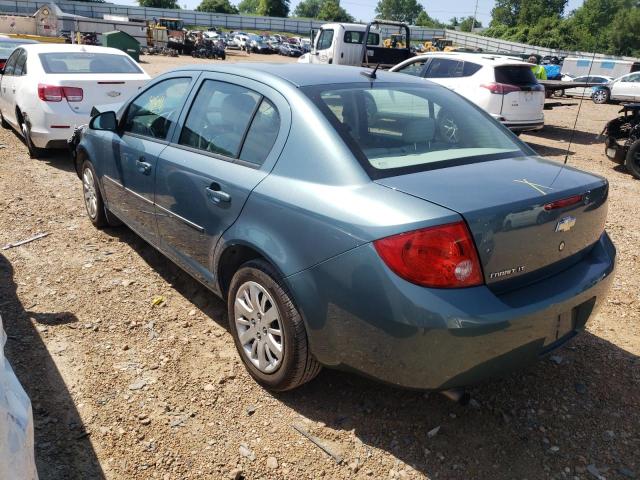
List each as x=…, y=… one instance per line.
x=268, y=330
x=632, y=162
x=601, y=96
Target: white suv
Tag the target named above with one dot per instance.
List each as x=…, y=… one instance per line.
x=503, y=86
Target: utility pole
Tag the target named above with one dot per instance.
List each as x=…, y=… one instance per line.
x=475, y=13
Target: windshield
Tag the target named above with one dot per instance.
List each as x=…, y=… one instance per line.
x=82, y=62
x=398, y=128
x=6, y=47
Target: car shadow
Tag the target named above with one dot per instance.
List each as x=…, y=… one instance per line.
x=62, y=445
x=556, y=132
x=547, y=150
x=532, y=423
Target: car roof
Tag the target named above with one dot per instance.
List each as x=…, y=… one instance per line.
x=66, y=47
x=304, y=74
x=21, y=41
x=481, y=58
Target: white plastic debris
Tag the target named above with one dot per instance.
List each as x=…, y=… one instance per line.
x=17, y=459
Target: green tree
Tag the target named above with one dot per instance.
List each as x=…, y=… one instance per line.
x=399, y=10
x=525, y=12
x=424, y=20
x=249, y=7
x=216, y=6
x=273, y=8
x=331, y=11
x=466, y=24
x=308, y=9
x=159, y=3
x=624, y=32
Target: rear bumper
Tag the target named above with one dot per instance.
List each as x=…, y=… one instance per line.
x=44, y=136
x=362, y=317
x=523, y=126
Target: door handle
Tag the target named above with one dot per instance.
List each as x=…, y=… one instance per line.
x=143, y=167
x=216, y=195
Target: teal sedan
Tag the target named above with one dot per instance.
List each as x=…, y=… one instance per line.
x=354, y=219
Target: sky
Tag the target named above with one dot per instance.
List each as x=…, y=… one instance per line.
x=365, y=9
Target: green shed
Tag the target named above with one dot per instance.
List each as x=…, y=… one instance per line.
x=122, y=41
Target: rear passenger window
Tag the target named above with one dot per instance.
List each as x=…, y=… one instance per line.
x=153, y=112
x=21, y=67
x=470, y=68
x=445, y=68
x=219, y=117
x=262, y=134
x=414, y=68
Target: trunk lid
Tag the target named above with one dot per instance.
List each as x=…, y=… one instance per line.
x=503, y=203
x=103, y=90
x=527, y=102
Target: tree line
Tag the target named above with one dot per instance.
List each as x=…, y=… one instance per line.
x=603, y=26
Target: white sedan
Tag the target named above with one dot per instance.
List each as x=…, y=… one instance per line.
x=583, y=91
x=47, y=90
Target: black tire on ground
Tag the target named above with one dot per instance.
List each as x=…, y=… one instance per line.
x=632, y=162
x=34, y=152
x=3, y=122
x=297, y=365
x=601, y=96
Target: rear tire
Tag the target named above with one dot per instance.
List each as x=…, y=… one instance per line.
x=3, y=122
x=34, y=152
x=601, y=96
x=274, y=346
x=632, y=162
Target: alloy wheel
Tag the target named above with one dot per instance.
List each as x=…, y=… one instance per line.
x=257, y=321
x=89, y=191
x=600, y=96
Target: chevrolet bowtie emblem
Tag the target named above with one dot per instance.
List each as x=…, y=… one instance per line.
x=535, y=186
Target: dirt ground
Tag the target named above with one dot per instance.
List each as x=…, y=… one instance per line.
x=122, y=389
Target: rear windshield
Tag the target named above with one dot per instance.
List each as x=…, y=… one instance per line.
x=515, y=75
x=399, y=128
x=84, y=62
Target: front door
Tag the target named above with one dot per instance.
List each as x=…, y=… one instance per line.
x=323, y=51
x=145, y=129
x=227, y=143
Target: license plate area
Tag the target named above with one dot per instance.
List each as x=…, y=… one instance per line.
x=567, y=324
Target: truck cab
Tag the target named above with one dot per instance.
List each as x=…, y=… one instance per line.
x=343, y=44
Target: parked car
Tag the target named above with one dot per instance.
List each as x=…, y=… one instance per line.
x=582, y=91
x=625, y=88
x=49, y=89
x=503, y=86
x=622, y=139
x=353, y=221
x=260, y=46
x=17, y=456
x=7, y=46
x=289, y=50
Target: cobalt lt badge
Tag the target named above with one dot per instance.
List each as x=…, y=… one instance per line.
x=565, y=224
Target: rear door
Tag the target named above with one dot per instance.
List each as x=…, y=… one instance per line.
x=445, y=71
x=145, y=126
x=8, y=88
x=523, y=99
x=227, y=142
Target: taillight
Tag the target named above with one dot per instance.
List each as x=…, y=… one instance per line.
x=500, y=88
x=54, y=93
x=50, y=93
x=73, y=94
x=565, y=202
x=441, y=257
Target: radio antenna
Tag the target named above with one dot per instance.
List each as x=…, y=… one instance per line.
x=575, y=123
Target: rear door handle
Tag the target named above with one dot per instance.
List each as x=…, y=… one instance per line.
x=216, y=195
x=143, y=167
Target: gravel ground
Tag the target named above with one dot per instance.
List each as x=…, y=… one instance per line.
x=124, y=389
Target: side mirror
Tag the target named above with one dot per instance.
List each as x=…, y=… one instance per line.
x=104, y=121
